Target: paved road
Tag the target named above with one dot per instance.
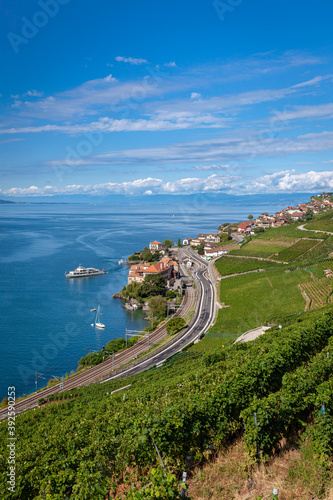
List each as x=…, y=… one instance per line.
x=237, y=237
x=302, y=228
x=202, y=318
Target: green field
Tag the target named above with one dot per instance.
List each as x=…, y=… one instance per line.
x=234, y=265
x=257, y=248
x=299, y=248
x=321, y=225
x=324, y=248
x=256, y=299
x=288, y=233
x=323, y=222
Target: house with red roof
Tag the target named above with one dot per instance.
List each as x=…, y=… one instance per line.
x=156, y=246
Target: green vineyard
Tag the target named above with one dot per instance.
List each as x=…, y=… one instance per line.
x=91, y=444
x=319, y=292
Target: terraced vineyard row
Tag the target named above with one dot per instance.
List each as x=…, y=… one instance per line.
x=318, y=291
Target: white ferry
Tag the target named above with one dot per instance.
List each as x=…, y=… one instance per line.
x=83, y=272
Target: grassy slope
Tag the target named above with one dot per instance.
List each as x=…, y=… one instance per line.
x=322, y=223
x=259, y=298
x=296, y=472
x=230, y=265
x=296, y=250
x=288, y=233
x=257, y=248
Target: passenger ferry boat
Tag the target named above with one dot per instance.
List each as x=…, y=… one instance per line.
x=83, y=272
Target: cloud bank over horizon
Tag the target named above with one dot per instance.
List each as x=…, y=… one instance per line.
x=287, y=181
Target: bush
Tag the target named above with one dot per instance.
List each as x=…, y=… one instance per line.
x=174, y=325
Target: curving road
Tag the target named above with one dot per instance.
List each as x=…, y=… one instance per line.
x=201, y=320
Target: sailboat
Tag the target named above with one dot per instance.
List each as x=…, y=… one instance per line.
x=98, y=323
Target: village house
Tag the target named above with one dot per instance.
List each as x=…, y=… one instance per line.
x=296, y=215
x=214, y=237
x=195, y=242
x=212, y=251
x=188, y=263
x=156, y=246
x=263, y=223
x=167, y=267
x=187, y=241
x=245, y=227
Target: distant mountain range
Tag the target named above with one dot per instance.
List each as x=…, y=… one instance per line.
x=210, y=199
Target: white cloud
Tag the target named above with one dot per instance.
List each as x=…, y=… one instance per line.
x=148, y=192
x=131, y=60
x=110, y=78
x=301, y=112
x=170, y=64
x=33, y=93
x=220, y=149
x=195, y=96
x=291, y=181
x=313, y=81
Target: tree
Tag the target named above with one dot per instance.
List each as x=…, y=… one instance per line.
x=158, y=306
x=153, y=284
x=201, y=248
x=144, y=250
x=168, y=243
x=174, y=325
x=308, y=215
x=135, y=256
x=156, y=255
x=250, y=216
x=147, y=256
x=179, y=243
x=132, y=290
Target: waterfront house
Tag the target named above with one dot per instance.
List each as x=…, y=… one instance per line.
x=167, y=267
x=156, y=246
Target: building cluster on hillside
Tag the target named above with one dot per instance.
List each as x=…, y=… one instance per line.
x=213, y=248
x=282, y=217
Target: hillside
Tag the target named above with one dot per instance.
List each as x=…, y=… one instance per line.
x=88, y=442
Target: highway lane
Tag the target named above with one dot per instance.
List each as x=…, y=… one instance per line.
x=204, y=317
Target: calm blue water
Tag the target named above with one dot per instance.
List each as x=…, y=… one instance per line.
x=45, y=320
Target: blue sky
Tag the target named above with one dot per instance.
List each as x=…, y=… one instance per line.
x=155, y=97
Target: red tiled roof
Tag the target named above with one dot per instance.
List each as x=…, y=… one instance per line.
x=243, y=225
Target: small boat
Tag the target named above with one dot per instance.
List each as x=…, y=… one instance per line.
x=98, y=323
x=83, y=272
x=92, y=310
